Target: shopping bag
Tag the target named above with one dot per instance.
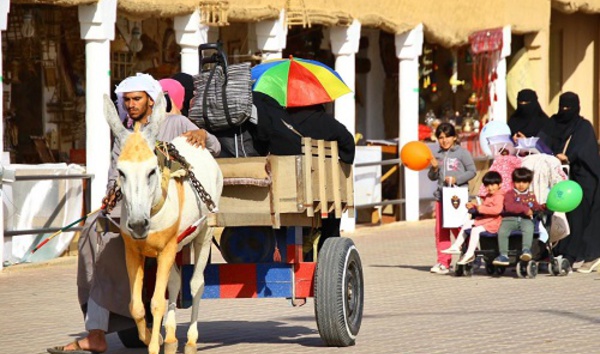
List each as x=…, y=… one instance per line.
x=454, y=209
x=559, y=227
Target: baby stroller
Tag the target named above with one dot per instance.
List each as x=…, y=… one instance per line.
x=546, y=174
x=541, y=251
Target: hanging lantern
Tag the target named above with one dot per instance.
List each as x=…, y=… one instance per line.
x=27, y=28
x=135, y=44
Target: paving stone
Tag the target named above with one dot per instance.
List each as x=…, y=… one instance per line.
x=407, y=309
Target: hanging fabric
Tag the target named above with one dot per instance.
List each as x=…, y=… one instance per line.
x=486, y=49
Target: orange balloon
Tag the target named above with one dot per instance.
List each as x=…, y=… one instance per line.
x=415, y=155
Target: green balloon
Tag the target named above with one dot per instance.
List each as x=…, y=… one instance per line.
x=564, y=196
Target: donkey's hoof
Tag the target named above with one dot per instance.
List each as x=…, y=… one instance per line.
x=171, y=348
x=190, y=349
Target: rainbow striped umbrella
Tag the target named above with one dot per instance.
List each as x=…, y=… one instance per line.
x=296, y=82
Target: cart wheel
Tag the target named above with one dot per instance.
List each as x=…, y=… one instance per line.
x=532, y=269
x=460, y=270
x=490, y=269
x=339, y=292
x=130, y=339
x=247, y=244
x=564, y=267
x=500, y=270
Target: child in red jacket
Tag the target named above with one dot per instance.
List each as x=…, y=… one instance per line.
x=488, y=218
x=519, y=205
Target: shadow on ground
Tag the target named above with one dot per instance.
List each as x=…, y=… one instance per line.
x=218, y=334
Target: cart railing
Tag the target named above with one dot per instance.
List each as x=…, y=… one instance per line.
x=280, y=191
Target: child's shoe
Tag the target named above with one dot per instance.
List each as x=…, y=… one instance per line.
x=452, y=250
x=501, y=260
x=525, y=255
x=439, y=268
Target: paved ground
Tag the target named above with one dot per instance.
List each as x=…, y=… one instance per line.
x=407, y=309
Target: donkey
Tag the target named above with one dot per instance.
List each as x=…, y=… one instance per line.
x=158, y=208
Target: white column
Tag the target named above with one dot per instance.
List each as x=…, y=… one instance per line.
x=97, y=23
x=271, y=37
x=4, y=9
x=189, y=34
x=498, y=109
x=409, y=46
x=344, y=45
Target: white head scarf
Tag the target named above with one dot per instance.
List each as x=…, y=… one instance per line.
x=139, y=82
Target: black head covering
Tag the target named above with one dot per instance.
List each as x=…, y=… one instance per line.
x=187, y=81
x=568, y=108
x=563, y=123
x=529, y=118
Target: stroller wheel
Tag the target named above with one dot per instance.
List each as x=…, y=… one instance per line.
x=564, y=267
x=554, y=267
x=500, y=270
x=460, y=270
x=532, y=269
x=490, y=269
x=468, y=269
x=521, y=269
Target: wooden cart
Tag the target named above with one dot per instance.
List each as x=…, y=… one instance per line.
x=289, y=193
x=265, y=204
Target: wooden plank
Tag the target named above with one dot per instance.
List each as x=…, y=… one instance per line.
x=285, y=173
x=322, y=179
x=335, y=175
x=349, y=189
x=245, y=219
x=308, y=192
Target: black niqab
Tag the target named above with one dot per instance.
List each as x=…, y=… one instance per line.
x=563, y=123
x=529, y=118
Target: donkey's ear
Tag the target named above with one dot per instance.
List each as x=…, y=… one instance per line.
x=159, y=110
x=112, y=118
x=156, y=118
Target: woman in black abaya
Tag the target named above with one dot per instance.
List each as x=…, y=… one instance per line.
x=572, y=139
x=529, y=119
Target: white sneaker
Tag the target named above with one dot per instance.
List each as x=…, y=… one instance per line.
x=439, y=269
x=452, y=250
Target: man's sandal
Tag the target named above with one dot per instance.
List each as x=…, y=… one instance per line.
x=77, y=350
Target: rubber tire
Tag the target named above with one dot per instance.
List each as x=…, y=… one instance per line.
x=460, y=270
x=532, y=269
x=521, y=269
x=500, y=270
x=554, y=268
x=251, y=244
x=468, y=269
x=564, y=267
x=338, y=292
x=130, y=339
x=490, y=269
